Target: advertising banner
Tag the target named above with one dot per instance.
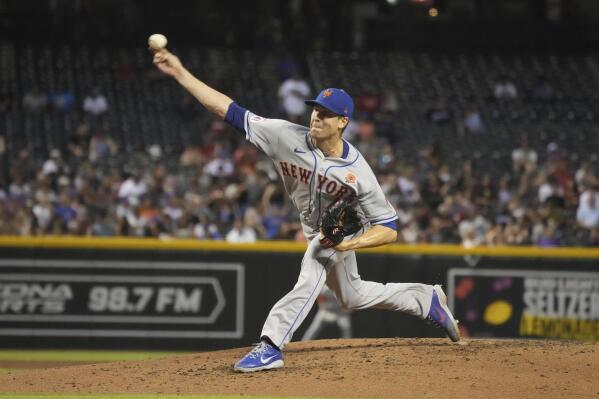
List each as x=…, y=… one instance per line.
x=525, y=303
x=78, y=298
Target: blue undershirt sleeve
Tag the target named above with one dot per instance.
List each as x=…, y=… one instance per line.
x=392, y=225
x=235, y=116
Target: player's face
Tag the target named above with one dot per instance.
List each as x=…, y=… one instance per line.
x=324, y=124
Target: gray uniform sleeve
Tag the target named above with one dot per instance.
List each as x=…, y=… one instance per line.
x=372, y=200
x=264, y=133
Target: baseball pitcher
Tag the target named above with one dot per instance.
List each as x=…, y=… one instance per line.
x=342, y=208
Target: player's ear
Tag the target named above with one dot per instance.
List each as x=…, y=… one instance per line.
x=343, y=122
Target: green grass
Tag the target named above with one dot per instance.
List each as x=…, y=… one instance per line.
x=80, y=355
x=4, y=370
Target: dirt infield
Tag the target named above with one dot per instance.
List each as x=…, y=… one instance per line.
x=373, y=368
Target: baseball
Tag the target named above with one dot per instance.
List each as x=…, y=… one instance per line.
x=157, y=41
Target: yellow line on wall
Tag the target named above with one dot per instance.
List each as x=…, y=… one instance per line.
x=128, y=243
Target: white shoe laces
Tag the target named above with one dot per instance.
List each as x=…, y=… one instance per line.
x=258, y=350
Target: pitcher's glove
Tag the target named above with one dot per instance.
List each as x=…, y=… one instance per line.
x=340, y=219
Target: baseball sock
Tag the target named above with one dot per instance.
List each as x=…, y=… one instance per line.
x=269, y=341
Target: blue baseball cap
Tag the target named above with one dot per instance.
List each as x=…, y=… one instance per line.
x=335, y=100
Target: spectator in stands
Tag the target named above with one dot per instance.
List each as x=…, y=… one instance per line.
x=389, y=102
x=61, y=100
x=292, y=94
x=584, y=177
x=408, y=186
x=95, y=103
x=65, y=212
x=132, y=189
x=221, y=165
x=43, y=213
x=369, y=102
x=78, y=144
x=505, y=89
x=473, y=121
x=587, y=213
x=192, y=156
x=523, y=156
x=104, y=225
x=101, y=146
x=549, y=236
x=240, y=233
x=55, y=165
x=35, y=100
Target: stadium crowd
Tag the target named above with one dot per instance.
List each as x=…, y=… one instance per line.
x=222, y=188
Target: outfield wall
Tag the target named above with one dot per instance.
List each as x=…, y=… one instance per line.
x=184, y=294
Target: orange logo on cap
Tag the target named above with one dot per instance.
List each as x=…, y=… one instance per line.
x=327, y=93
x=350, y=178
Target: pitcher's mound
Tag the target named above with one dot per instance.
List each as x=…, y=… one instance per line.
x=363, y=368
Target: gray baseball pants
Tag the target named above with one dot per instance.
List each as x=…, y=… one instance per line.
x=339, y=271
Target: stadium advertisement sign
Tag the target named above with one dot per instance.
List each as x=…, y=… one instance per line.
x=78, y=298
x=525, y=303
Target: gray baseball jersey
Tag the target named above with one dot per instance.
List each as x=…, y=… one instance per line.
x=313, y=180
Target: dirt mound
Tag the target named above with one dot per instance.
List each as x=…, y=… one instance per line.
x=372, y=368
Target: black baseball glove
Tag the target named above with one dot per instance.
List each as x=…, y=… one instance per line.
x=340, y=219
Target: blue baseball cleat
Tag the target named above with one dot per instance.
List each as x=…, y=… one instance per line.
x=440, y=315
x=262, y=357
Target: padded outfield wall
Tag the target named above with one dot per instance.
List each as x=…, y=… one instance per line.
x=152, y=294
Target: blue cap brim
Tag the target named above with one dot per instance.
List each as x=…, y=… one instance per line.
x=315, y=102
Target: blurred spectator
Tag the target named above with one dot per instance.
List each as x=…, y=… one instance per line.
x=389, y=102
x=369, y=102
x=78, y=143
x=587, y=213
x=95, y=103
x=549, y=235
x=523, y=156
x=584, y=177
x=221, y=165
x=504, y=89
x=35, y=100
x=43, y=213
x=192, y=156
x=408, y=187
x=473, y=121
x=132, y=189
x=101, y=146
x=240, y=233
x=61, y=100
x=292, y=94
x=55, y=164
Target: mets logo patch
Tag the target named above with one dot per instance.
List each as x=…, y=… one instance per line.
x=350, y=178
x=327, y=93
